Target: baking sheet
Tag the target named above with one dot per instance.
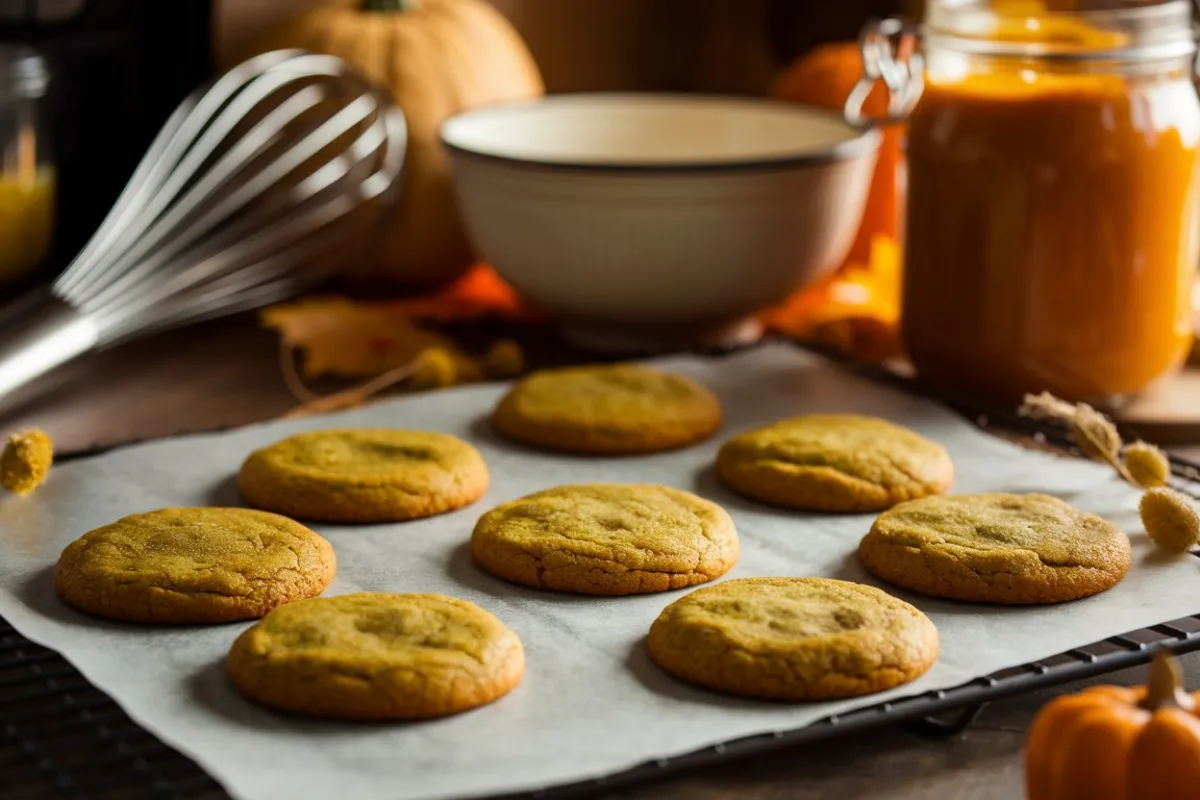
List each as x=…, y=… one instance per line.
x=592, y=702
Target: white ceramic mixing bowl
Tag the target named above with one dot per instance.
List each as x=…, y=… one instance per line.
x=641, y=216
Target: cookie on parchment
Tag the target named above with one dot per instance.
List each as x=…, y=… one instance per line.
x=377, y=656
x=607, y=539
x=835, y=463
x=996, y=548
x=793, y=639
x=621, y=409
x=193, y=565
x=364, y=475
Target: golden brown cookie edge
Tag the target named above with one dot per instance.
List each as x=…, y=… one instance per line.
x=128, y=603
x=315, y=500
x=821, y=489
x=263, y=683
x=683, y=665
x=908, y=569
x=498, y=559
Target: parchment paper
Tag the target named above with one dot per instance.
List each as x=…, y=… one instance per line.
x=592, y=703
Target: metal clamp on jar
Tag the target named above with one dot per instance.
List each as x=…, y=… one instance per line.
x=1053, y=201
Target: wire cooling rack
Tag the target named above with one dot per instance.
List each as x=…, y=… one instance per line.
x=62, y=738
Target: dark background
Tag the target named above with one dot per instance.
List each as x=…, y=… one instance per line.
x=119, y=67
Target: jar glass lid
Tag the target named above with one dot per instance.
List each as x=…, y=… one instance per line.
x=1072, y=29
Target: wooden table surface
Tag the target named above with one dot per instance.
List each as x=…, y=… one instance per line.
x=226, y=374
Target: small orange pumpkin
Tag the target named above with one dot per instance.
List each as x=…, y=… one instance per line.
x=1117, y=743
x=824, y=77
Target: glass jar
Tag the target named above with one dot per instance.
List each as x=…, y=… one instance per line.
x=27, y=178
x=1053, y=197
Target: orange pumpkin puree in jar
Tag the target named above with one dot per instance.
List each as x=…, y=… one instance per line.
x=1053, y=214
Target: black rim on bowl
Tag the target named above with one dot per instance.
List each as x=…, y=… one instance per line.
x=864, y=143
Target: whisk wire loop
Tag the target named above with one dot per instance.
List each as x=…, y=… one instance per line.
x=255, y=188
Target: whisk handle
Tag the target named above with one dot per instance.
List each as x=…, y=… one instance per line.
x=39, y=332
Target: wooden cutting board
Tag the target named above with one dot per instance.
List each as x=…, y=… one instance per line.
x=1169, y=413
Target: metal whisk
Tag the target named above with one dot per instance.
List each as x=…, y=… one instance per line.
x=253, y=191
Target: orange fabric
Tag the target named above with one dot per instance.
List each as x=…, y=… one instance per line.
x=856, y=311
x=479, y=293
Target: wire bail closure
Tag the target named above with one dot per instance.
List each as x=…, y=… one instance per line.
x=890, y=53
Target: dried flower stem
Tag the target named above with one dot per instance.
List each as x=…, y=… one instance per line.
x=353, y=396
x=1169, y=517
x=1164, y=689
x=1091, y=431
x=287, y=365
x=1046, y=406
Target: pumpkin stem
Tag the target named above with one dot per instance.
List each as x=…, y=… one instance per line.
x=397, y=6
x=1165, y=689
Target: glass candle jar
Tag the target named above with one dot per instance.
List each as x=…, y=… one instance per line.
x=1053, y=206
x=26, y=172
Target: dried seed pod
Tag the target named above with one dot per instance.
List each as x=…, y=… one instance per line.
x=1170, y=519
x=1147, y=465
x=1096, y=436
x=26, y=461
x=1046, y=406
x=467, y=370
x=504, y=359
x=434, y=368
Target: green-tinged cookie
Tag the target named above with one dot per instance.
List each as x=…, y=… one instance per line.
x=377, y=656
x=607, y=539
x=834, y=462
x=793, y=639
x=193, y=565
x=364, y=475
x=620, y=409
x=996, y=548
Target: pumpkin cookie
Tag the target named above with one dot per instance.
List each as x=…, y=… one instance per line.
x=364, y=475
x=996, y=548
x=607, y=410
x=834, y=462
x=793, y=639
x=377, y=656
x=193, y=565
x=607, y=539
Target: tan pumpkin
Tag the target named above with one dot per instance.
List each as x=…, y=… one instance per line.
x=437, y=57
x=1117, y=743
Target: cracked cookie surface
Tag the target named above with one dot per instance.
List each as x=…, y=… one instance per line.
x=793, y=639
x=835, y=463
x=607, y=410
x=377, y=656
x=996, y=548
x=364, y=475
x=193, y=565
x=607, y=539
